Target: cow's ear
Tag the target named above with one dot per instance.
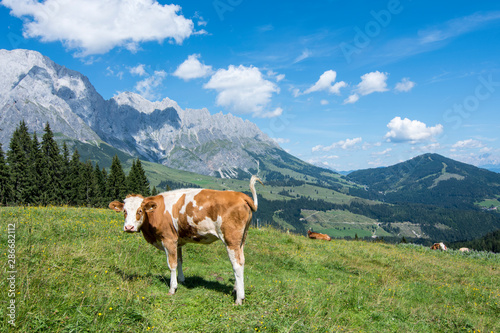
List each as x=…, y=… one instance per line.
x=150, y=206
x=116, y=206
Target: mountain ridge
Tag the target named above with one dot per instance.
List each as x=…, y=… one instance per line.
x=35, y=89
x=430, y=179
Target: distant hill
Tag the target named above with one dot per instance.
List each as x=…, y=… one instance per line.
x=430, y=179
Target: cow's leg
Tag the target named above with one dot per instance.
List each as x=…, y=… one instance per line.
x=171, y=251
x=179, y=264
x=238, y=261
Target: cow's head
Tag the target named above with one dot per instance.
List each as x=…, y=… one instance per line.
x=135, y=208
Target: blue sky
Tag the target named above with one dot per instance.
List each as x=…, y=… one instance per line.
x=348, y=85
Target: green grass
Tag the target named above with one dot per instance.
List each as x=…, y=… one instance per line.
x=339, y=224
x=489, y=203
x=78, y=272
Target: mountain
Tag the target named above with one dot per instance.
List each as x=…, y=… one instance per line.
x=430, y=179
x=34, y=88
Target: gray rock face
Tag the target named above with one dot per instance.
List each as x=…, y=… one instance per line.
x=34, y=88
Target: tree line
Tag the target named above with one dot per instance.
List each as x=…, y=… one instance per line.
x=34, y=172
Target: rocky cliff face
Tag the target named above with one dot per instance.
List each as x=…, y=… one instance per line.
x=34, y=88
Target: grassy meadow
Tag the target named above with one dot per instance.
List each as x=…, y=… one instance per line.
x=76, y=271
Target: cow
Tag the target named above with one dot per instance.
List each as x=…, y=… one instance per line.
x=171, y=219
x=317, y=235
x=464, y=249
x=439, y=246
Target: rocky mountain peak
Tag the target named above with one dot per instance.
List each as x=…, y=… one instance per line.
x=34, y=88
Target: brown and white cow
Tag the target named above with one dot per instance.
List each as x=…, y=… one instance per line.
x=317, y=235
x=464, y=249
x=439, y=246
x=171, y=219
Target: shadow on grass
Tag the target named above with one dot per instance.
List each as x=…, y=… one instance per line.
x=191, y=282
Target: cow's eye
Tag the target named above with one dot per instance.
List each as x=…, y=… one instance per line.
x=140, y=211
x=125, y=213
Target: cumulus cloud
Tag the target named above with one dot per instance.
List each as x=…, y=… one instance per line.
x=97, y=26
x=192, y=68
x=325, y=82
x=468, y=144
x=138, y=70
x=372, y=82
x=146, y=88
x=405, y=85
x=406, y=130
x=244, y=90
x=351, y=99
x=343, y=144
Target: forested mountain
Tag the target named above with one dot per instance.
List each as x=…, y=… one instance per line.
x=429, y=179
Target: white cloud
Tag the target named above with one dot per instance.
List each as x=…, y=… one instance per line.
x=146, y=87
x=324, y=102
x=351, y=99
x=343, y=144
x=281, y=140
x=277, y=77
x=372, y=82
x=138, y=70
x=468, y=144
x=305, y=54
x=325, y=82
x=271, y=114
x=457, y=27
x=403, y=130
x=97, y=26
x=111, y=72
x=384, y=152
x=192, y=68
x=427, y=148
x=405, y=85
x=244, y=90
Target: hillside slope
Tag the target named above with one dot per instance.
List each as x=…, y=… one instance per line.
x=77, y=271
x=430, y=179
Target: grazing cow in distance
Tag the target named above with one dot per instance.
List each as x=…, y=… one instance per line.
x=171, y=219
x=317, y=235
x=464, y=249
x=439, y=246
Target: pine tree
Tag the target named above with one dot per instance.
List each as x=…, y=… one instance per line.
x=52, y=166
x=18, y=160
x=154, y=191
x=75, y=170
x=142, y=180
x=99, y=187
x=137, y=182
x=65, y=183
x=5, y=185
x=87, y=189
x=133, y=180
x=38, y=183
x=117, y=189
x=105, y=193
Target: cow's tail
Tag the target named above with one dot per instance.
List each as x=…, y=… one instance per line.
x=253, y=180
